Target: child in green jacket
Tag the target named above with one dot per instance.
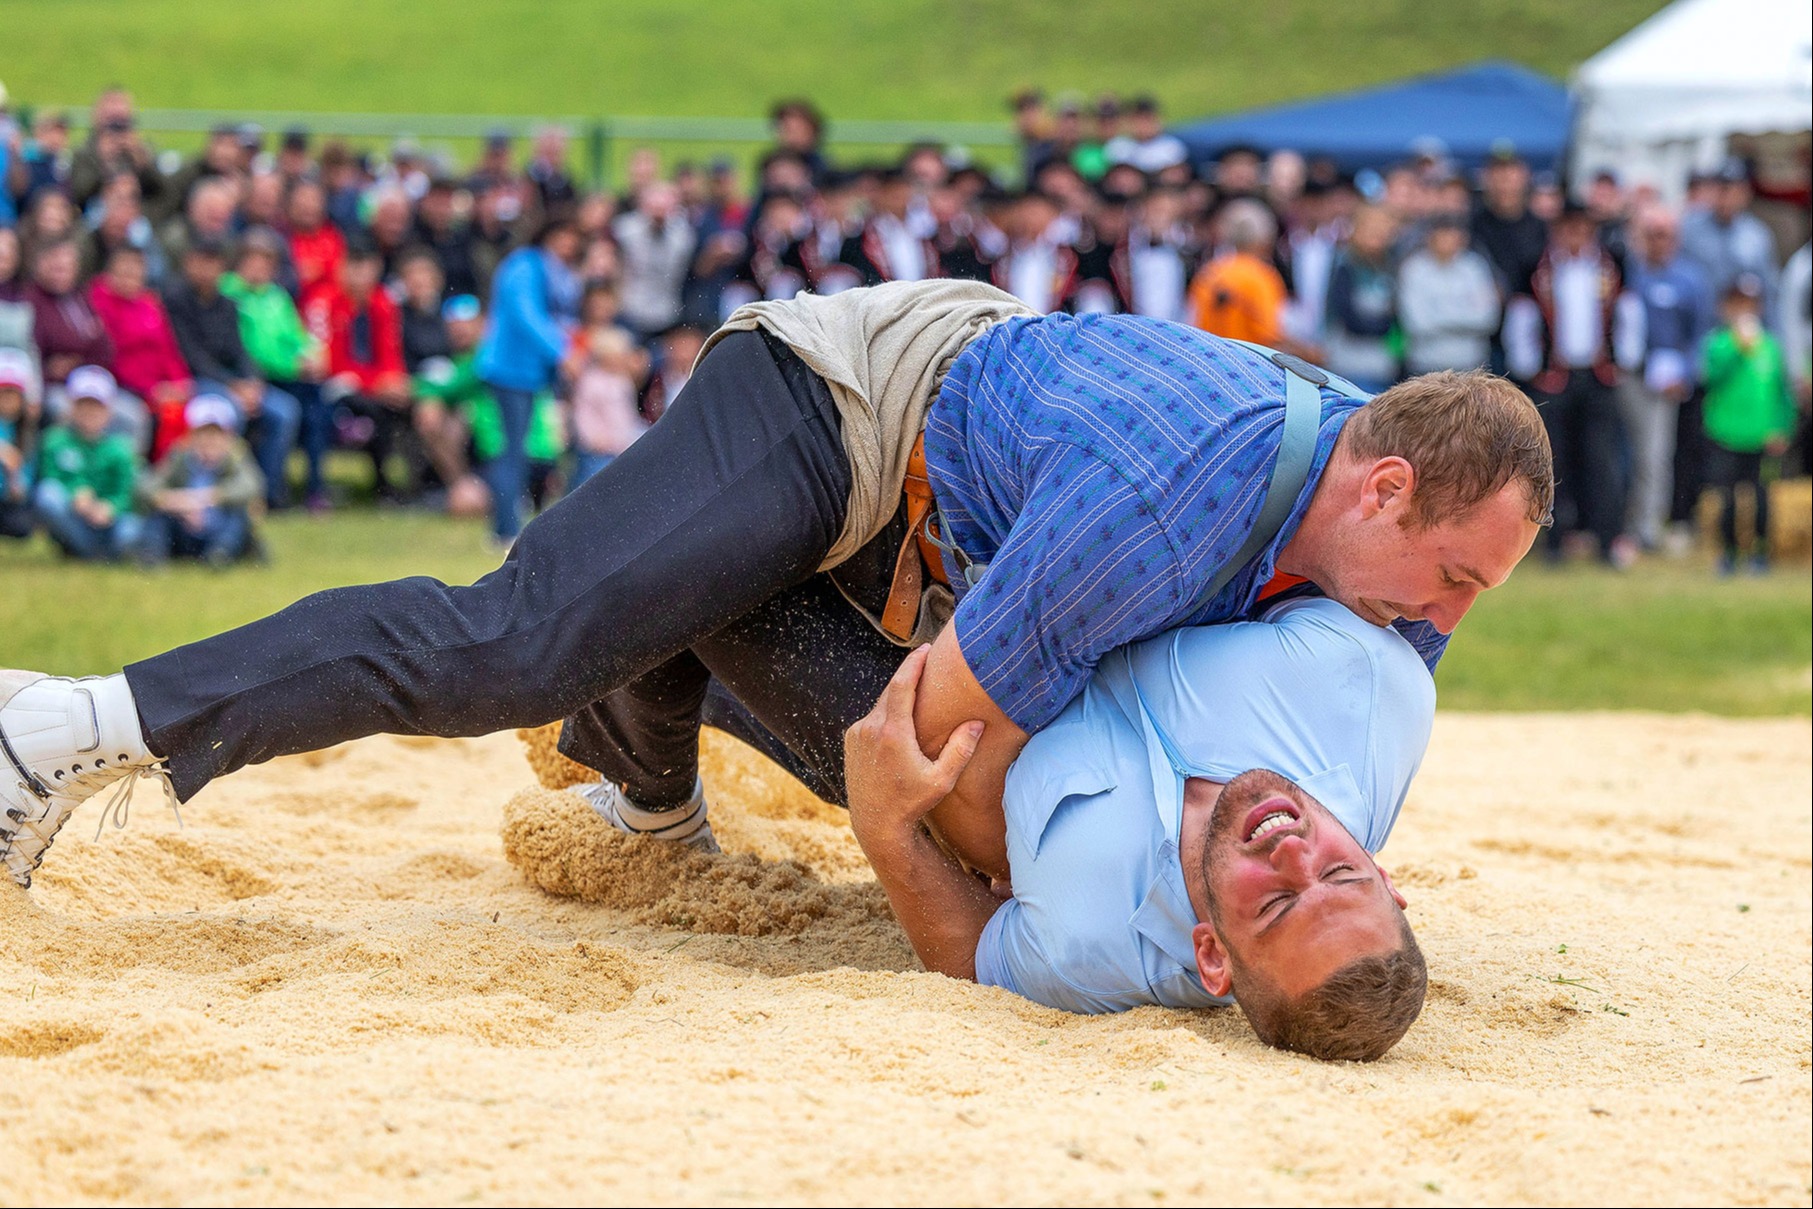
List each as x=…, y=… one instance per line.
x=1749, y=412
x=86, y=475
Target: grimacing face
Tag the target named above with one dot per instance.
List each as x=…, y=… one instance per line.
x=1292, y=896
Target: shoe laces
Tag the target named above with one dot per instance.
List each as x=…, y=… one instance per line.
x=118, y=807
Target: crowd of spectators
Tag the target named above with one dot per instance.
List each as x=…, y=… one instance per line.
x=494, y=335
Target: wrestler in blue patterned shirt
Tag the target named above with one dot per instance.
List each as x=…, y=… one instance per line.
x=1106, y=467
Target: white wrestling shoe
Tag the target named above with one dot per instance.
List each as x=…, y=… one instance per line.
x=61, y=742
x=682, y=825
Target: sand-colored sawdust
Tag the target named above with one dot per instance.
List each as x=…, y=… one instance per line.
x=334, y=986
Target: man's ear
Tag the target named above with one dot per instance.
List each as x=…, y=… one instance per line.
x=1391, y=886
x=1212, y=960
x=1391, y=480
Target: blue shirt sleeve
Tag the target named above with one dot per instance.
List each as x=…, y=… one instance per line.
x=1085, y=569
x=1008, y=956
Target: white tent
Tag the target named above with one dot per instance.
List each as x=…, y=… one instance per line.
x=1667, y=97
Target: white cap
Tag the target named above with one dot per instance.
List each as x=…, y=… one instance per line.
x=204, y=410
x=90, y=382
x=15, y=368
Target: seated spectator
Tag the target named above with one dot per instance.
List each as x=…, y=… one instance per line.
x=207, y=217
x=1749, y=413
x=363, y=332
x=388, y=226
x=606, y=417
x=68, y=333
x=207, y=331
x=1240, y=293
x=18, y=445
x=890, y=246
x=51, y=215
x=44, y=161
x=198, y=499
x=316, y=245
x=146, y=359
x=122, y=223
x=16, y=315
x=1362, y=306
x=282, y=349
x=448, y=391
x=86, y=474
x=423, y=289
x=1448, y=301
x=439, y=229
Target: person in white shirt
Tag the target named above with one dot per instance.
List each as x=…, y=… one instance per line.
x=1568, y=338
x=1146, y=145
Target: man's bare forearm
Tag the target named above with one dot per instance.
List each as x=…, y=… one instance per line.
x=942, y=908
x=969, y=819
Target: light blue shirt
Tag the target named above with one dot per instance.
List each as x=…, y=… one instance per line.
x=1100, y=920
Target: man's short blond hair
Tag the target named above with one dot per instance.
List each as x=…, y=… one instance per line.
x=1467, y=435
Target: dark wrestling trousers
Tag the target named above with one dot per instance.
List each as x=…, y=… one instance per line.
x=678, y=585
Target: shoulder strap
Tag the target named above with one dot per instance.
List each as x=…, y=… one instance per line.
x=1290, y=470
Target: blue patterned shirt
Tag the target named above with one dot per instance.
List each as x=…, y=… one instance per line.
x=1106, y=467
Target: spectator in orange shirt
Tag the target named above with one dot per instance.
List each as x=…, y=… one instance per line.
x=1240, y=293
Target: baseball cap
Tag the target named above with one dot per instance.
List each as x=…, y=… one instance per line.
x=460, y=306
x=211, y=409
x=15, y=368
x=89, y=382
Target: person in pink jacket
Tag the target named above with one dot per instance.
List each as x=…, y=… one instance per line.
x=146, y=360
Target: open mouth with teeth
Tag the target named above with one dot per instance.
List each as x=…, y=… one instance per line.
x=1273, y=814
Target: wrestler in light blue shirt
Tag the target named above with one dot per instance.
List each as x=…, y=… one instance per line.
x=1100, y=920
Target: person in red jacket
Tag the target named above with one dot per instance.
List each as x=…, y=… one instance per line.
x=316, y=245
x=146, y=359
x=362, y=329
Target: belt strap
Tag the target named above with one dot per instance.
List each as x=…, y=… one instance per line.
x=1290, y=469
x=900, y=616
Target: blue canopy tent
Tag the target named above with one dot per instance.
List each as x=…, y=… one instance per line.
x=1468, y=109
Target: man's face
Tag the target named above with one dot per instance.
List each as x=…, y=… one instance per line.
x=308, y=207
x=1732, y=199
x=1506, y=182
x=1574, y=233
x=1388, y=566
x=202, y=271
x=1292, y=896
x=1660, y=240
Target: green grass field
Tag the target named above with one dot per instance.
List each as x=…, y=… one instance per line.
x=862, y=59
x=1667, y=637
